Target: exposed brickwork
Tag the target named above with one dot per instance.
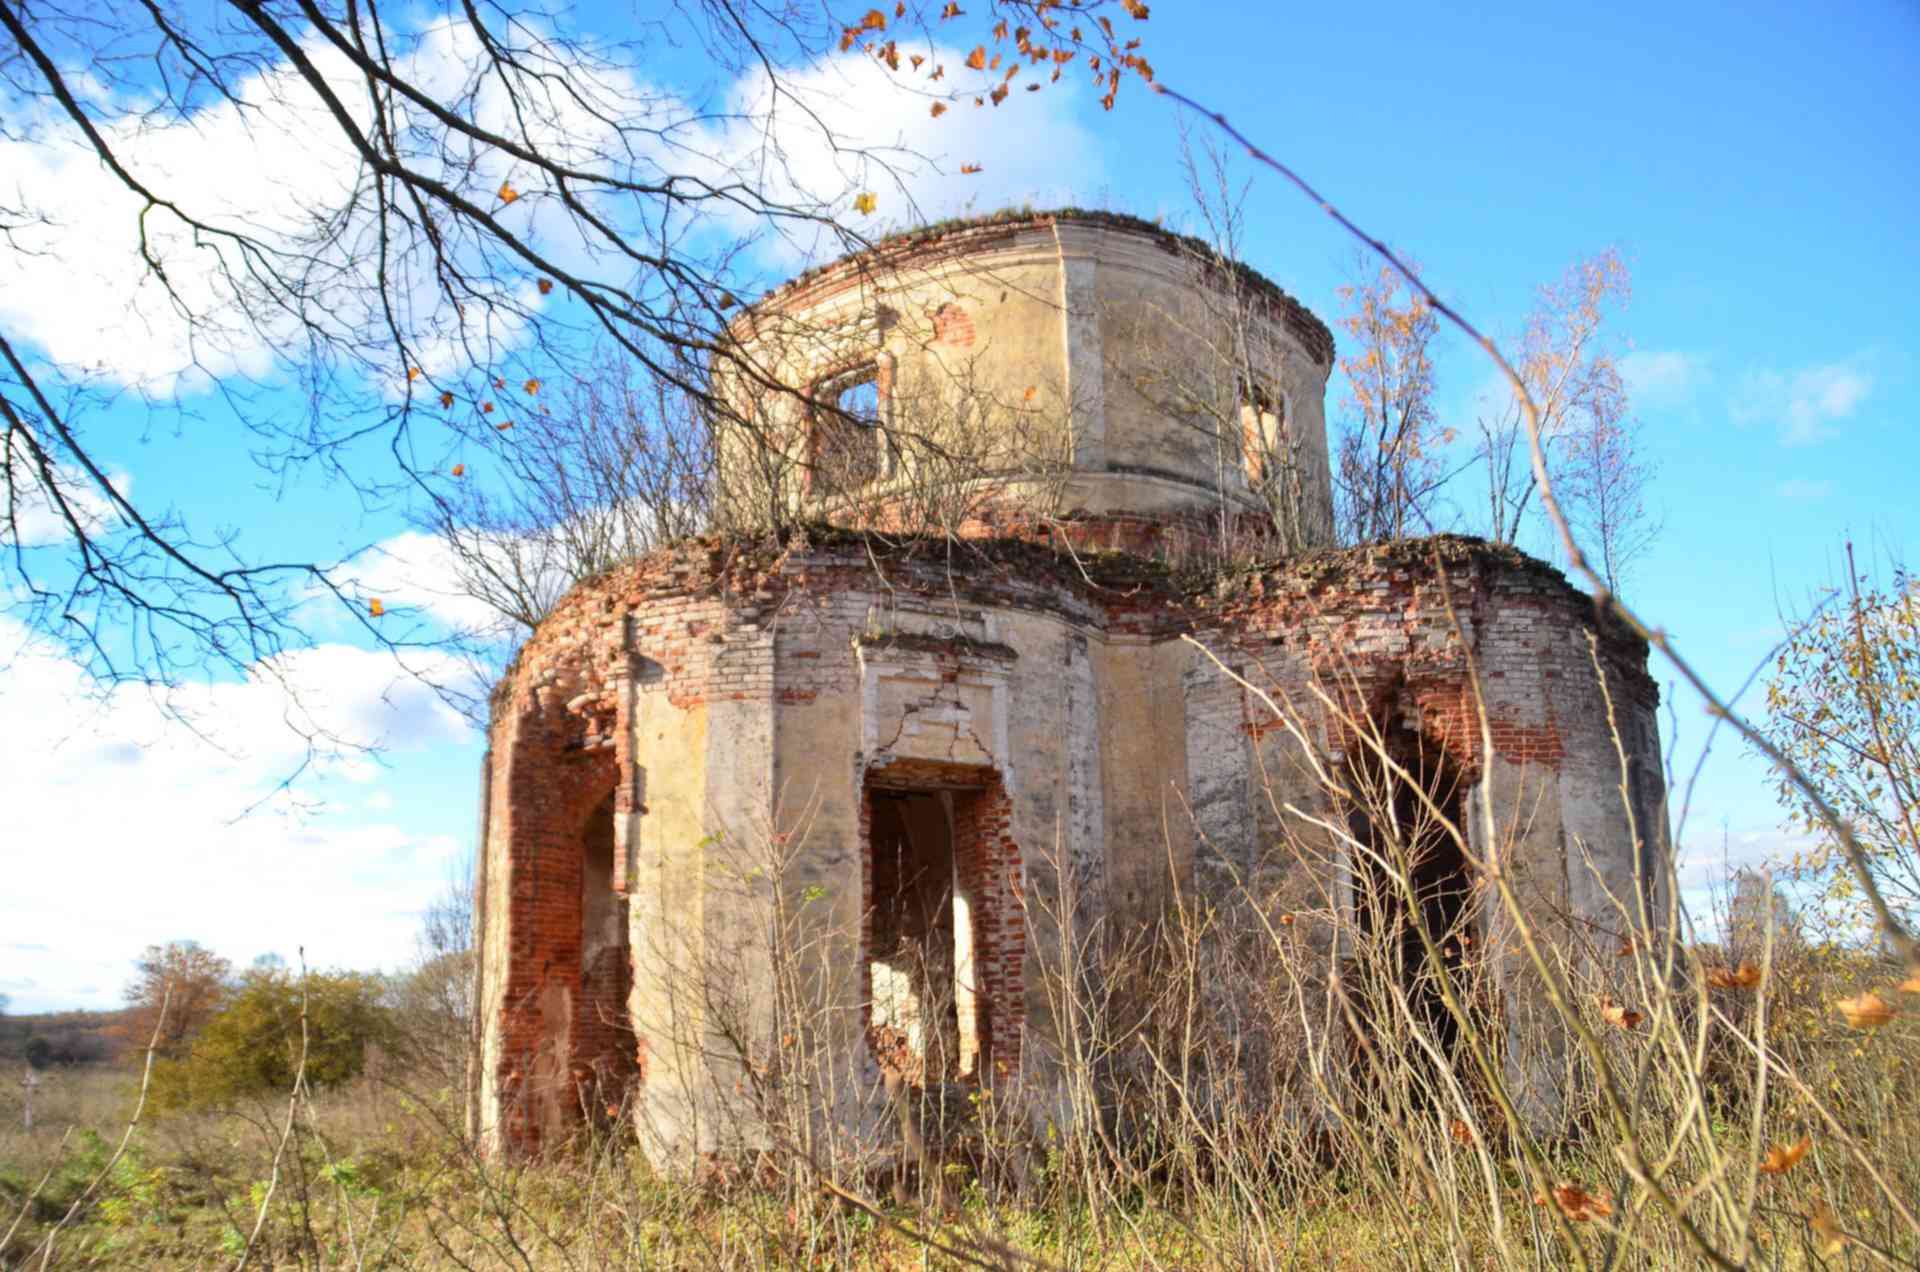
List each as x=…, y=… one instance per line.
x=953, y=327
x=988, y=866
x=774, y=628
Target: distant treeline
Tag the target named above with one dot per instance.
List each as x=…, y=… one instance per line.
x=63, y=1037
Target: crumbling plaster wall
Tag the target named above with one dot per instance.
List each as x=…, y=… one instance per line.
x=1047, y=325
x=736, y=701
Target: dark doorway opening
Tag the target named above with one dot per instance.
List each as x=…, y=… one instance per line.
x=932, y=961
x=1407, y=817
x=605, y=1053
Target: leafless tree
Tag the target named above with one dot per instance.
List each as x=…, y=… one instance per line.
x=1215, y=363
x=1388, y=466
x=621, y=464
x=456, y=202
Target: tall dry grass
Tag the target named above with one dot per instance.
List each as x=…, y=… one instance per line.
x=1310, y=1064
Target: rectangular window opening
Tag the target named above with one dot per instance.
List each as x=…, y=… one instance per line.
x=849, y=446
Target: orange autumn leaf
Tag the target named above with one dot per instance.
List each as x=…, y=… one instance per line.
x=1618, y=1016
x=1868, y=1011
x=459, y=470
x=446, y=399
x=1780, y=1159
x=1135, y=9
x=413, y=373
x=874, y=21
x=374, y=608
x=486, y=408
x=1745, y=976
x=999, y=94
x=977, y=60
x=1286, y=920
x=1028, y=395
x=531, y=386
x=1577, y=1203
x=968, y=169
x=951, y=11
x=1000, y=29
x=1461, y=1132
x=545, y=285
x=507, y=193
x=916, y=59
x=900, y=9
x=939, y=109
x=504, y=425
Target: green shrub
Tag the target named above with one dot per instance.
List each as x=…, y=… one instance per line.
x=252, y=1047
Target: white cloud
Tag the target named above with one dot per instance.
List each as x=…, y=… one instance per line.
x=851, y=124
x=1804, y=405
x=30, y=511
x=414, y=572
x=1803, y=488
x=123, y=830
x=275, y=165
x=1663, y=378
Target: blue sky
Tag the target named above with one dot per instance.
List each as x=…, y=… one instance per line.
x=1755, y=165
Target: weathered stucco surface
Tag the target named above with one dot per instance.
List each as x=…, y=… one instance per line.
x=708, y=744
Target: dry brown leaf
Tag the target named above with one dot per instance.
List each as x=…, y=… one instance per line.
x=413, y=373
x=1461, y=1132
x=545, y=285
x=977, y=60
x=459, y=470
x=874, y=21
x=939, y=109
x=1618, y=1016
x=486, y=408
x=968, y=169
x=1868, y=1011
x=531, y=386
x=1745, y=976
x=446, y=399
x=1827, y=1228
x=1577, y=1203
x=1781, y=1159
x=503, y=425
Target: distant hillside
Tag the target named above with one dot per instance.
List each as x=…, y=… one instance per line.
x=63, y=1037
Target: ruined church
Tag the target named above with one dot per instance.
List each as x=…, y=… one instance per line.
x=1004, y=666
